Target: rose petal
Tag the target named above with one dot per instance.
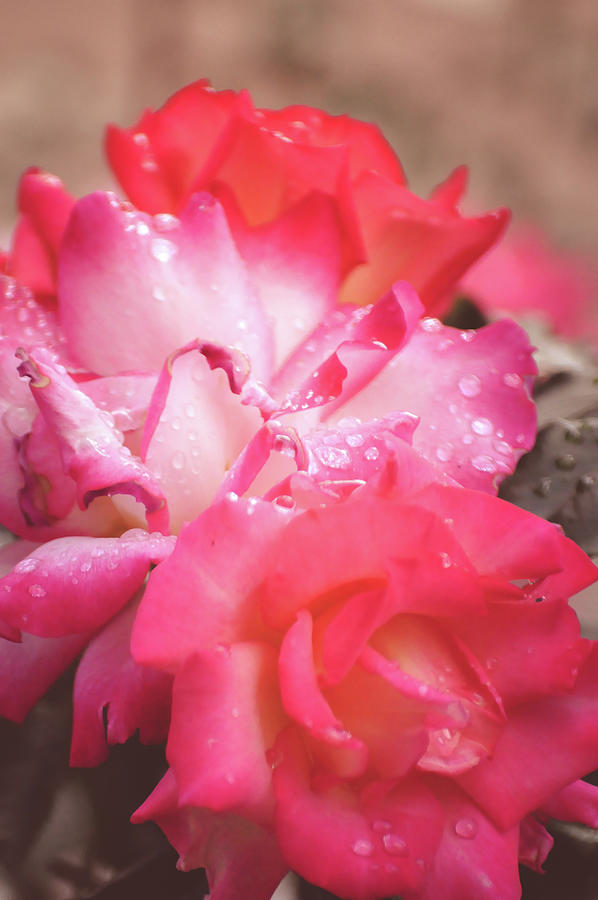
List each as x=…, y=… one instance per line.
x=196, y=427
x=294, y=262
x=578, y=802
x=188, y=271
x=372, y=846
x=75, y=584
x=44, y=207
x=91, y=451
x=469, y=391
x=27, y=669
x=241, y=858
x=419, y=241
x=204, y=609
x=108, y=682
x=535, y=843
x=519, y=776
x=474, y=860
x=225, y=715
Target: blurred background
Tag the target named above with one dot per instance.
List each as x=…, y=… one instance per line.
x=508, y=86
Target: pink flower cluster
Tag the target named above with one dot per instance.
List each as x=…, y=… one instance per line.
x=235, y=382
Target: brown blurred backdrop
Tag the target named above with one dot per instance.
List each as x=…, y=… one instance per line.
x=508, y=86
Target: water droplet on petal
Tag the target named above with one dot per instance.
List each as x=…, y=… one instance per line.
x=430, y=324
x=162, y=250
x=36, y=590
x=511, y=379
x=482, y=426
x=363, y=847
x=334, y=457
x=354, y=440
x=395, y=845
x=466, y=828
x=444, y=452
x=158, y=294
x=381, y=826
x=484, y=464
x=178, y=460
x=165, y=222
x=372, y=453
x=470, y=385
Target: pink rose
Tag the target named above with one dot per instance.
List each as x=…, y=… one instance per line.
x=152, y=347
x=365, y=689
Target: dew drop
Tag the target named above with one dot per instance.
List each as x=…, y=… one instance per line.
x=502, y=447
x=484, y=464
x=363, y=847
x=491, y=663
x=165, y=222
x=162, y=250
x=235, y=712
x=354, y=440
x=466, y=828
x=430, y=325
x=394, y=845
x=444, y=452
x=482, y=426
x=334, y=457
x=36, y=590
x=372, y=453
x=158, y=294
x=511, y=379
x=178, y=460
x=285, y=501
x=470, y=385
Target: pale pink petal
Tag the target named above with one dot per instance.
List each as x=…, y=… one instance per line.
x=197, y=424
x=109, y=683
x=241, y=858
x=75, y=584
x=226, y=713
x=204, y=608
x=149, y=285
x=29, y=668
x=92, y=451
x=470, y=390
x=371, y=846
x=350, y=346
x=294, y=262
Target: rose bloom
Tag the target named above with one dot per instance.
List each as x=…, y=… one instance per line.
x=386, y=692
x=152, y=344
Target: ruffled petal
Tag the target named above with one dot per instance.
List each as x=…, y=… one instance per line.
x=92, y=451
x=371, y=846
x=241, y=858
x=419, y=241
x=203, y=608
x=116, y=263
x=529, y=649
x=475, y=861
x=535, y=843
x=71, y=585
x=44, y=207
x=197, y=424
x=109, y=683
x=225, y=715
x=578, y=802
x=470, y=391
x=521, y=773
x=29, y=668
